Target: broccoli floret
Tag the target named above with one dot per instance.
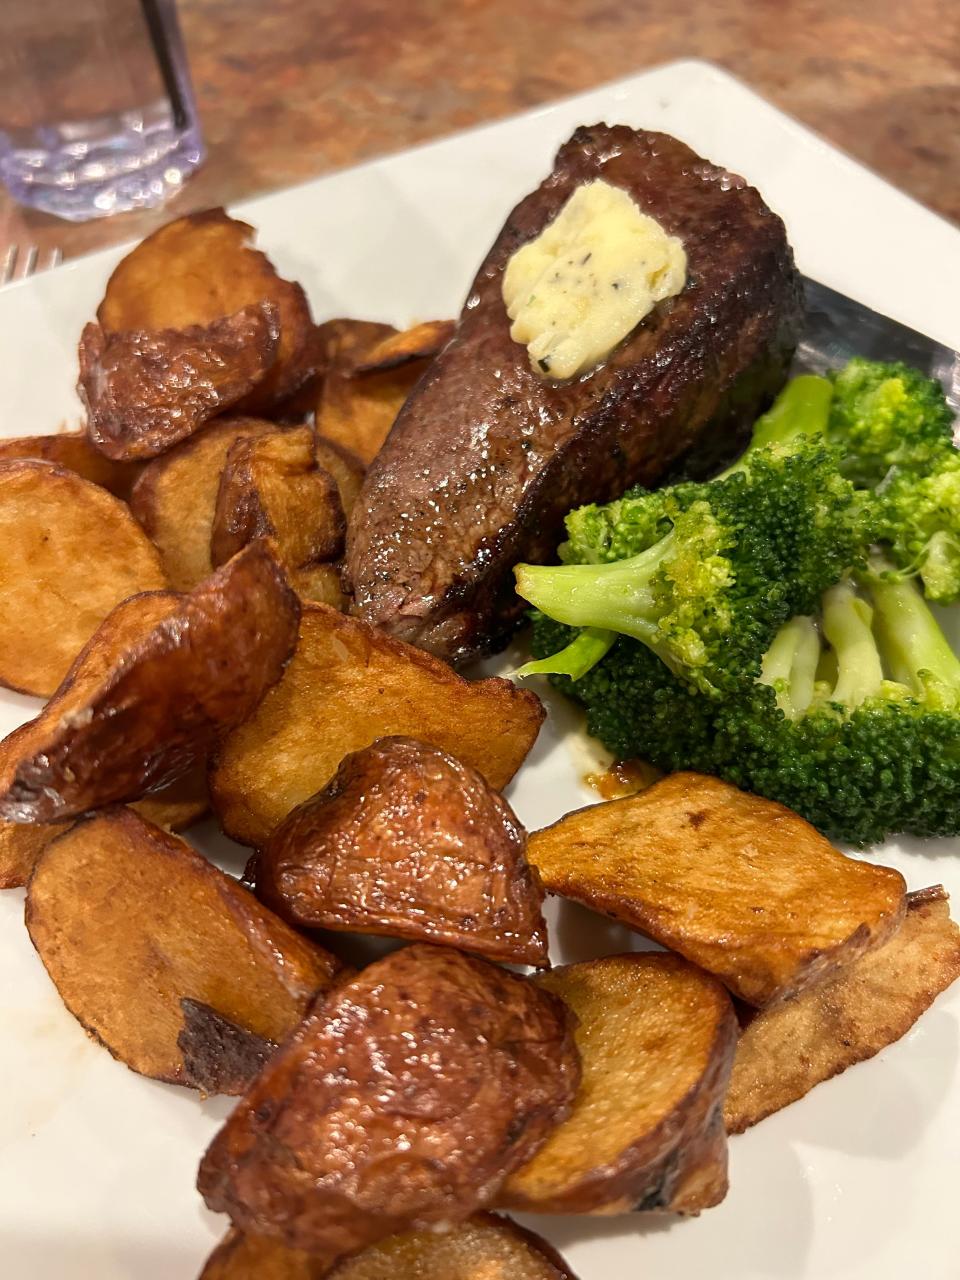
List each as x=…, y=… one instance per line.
x=742, y=554
x=854, y=723
x=918, y=517
x=886, y=415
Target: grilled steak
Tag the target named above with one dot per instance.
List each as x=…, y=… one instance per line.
x=486, y=457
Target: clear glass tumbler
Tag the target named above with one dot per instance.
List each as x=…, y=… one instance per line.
x=96, y=107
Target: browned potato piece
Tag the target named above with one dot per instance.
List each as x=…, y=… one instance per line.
x=358, y=411
x=656, y=1039
x=271, y=487
x=175, y=807
x=785, y=1051
x=319, y=583
x=128, y=920
x=201, y=268
x=69, y=553
x=408, y=842
x=73, y=451
x=347, y=685
x=345, y=467
x=422, y=342
x=176, y=496
x=219, y=1055
x=403, y=1099
x=144, y=391
x=739, y=885
x=485, y=1247
x=163, y=677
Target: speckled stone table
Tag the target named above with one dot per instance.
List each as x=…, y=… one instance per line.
x=289, y=89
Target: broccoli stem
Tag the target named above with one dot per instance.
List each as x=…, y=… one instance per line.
x=847, y=625
x=790, y=665
x=612, y=597
x=801, y=409
x=914, y=649
x=576, y=659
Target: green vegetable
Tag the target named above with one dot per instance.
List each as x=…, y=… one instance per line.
x=918, y=518
x=873, y=749
x=704, y=574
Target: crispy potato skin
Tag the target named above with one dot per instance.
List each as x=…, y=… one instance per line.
x=408, y=842
x=69, y=553
x=271, y=487
x=485, y=1247
x=128, y=920
x=176, y=496
x=198, y=269
x=173, y=808
x=404, y=1099
x=219, y=1056
x=739, y=885
x=422, y=342
x=163, y=678
x=656, y=1039
x=144, y=392
x=73, y=451
x=347, y=685
x=867, y=1005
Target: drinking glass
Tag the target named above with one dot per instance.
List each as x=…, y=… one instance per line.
x=96, y=107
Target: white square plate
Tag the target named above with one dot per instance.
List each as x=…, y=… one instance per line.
x=97, y=1165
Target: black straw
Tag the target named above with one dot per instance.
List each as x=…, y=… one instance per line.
x=158, y=38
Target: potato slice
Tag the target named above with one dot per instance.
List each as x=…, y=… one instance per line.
x=163, y=677
x=176, y=496
x=69, y=553
x=146, y=391
x=219, y=1055
x=785, y=1051
x=128, y=920
x=656, y=1039
x=347, y=685
x=737, y=884
x=485, y=1247
x=173, y=808
x=319, y=583
x=358, y=412
x=408, y=842
x=74, y=452
x=345, y=467
x=271, y=487
x=198, y=269
x=422, y=342
x=404, y=1098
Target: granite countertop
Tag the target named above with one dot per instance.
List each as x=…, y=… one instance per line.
x=296, y=88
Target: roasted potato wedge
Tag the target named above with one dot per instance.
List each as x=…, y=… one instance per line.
x=128, y=920
x=371, y=369
x=69, y=553
x=198, y=269
x=173, y=808
x=739, y=885
x=422, y=342
x=145, y=391
x=347, y=685
x=656, y=1039
x=408, y=842
x=271, y=487
x=345, y=467
x=485, y=1247
x=867, y=1005
x=175, y=497
x=74, y=452
x=319, y=583
x=161, y=679
x=404, y=1098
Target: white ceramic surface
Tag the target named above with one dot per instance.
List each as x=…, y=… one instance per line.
x=858, y=1180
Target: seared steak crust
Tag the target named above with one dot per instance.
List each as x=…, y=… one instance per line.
x=486, y=458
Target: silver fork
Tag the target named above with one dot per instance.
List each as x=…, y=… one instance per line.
x=28, y=263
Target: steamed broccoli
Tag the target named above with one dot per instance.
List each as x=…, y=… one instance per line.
x=704, y=574
x=884, y=416
x=918, y=518
x=854, y=723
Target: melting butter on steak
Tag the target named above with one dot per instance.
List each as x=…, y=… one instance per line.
x=487, y=456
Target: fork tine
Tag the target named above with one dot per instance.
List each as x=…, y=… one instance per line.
x=9, y=265
x=56, y=257
x=30, y=262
